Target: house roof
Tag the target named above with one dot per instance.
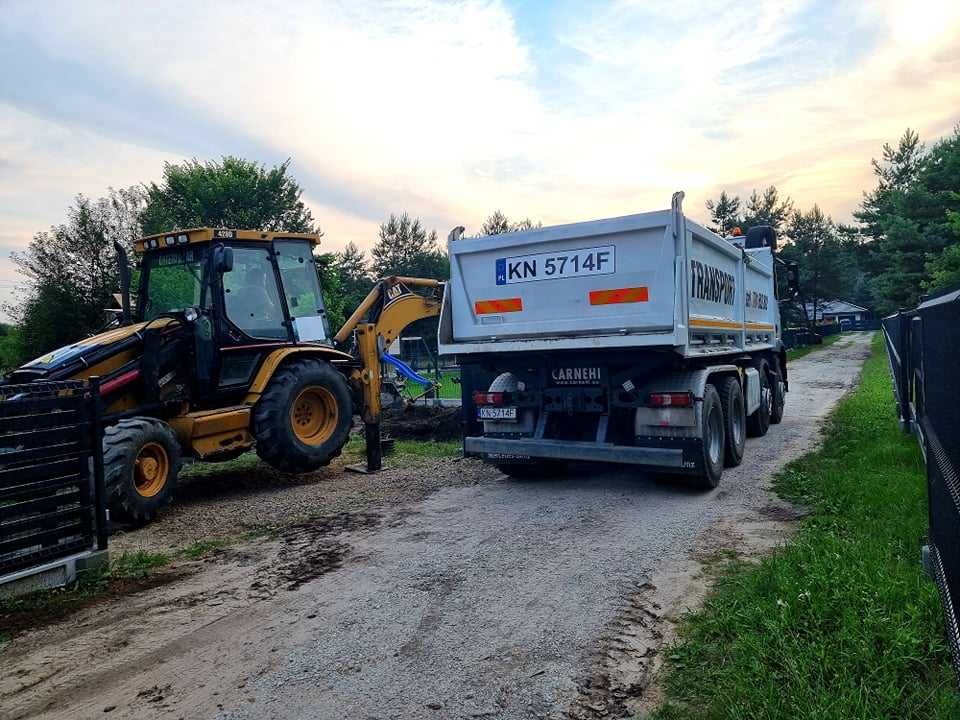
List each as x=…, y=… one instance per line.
x=836, y=307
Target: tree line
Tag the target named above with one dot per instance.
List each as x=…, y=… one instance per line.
x=904, y=241
x=71, y=270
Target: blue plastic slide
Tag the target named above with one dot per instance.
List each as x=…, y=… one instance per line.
x=408, y=372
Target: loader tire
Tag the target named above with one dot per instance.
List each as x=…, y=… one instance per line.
x=303, y=418
x=141, y=461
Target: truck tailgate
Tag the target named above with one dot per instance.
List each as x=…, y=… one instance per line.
x=603, y=277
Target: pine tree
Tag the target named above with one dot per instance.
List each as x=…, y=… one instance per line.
x=498, y=223
x=908, y=215
x=724, y=213
x=827, y=269
x=767, y=209
x=355, y=280
x=404, y=247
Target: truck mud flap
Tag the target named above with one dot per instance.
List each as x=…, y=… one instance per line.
x=672, y=458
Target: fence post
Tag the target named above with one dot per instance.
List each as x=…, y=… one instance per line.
x=99, y=490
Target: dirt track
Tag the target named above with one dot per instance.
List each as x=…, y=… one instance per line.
x=492, y=598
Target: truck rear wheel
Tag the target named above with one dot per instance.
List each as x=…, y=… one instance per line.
x=759, y=422
x=778, y=398
x=141, y=460
x=712, y=433
x=303, y=419
x=734, y=421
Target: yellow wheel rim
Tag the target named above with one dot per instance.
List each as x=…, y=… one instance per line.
x=151, y=469
x=314, y=415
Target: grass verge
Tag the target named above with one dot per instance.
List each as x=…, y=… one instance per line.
x=126, y=573
x=796, y=353
x=449, y=385
x=355, y=449
x=841, y=623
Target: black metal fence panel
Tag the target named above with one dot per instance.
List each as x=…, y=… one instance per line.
x=51, y=473
x=923, y=346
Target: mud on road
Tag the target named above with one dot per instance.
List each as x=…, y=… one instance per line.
x=441, y=589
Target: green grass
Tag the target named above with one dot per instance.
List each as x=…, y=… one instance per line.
x=796, y=353
x=126, y=571
x=841, y=623
x=355, y=449
x=449, y=385
x=202, y=548
x=245, y=463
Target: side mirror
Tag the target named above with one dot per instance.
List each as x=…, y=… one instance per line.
x=761, y=236
x=222, y=259
x=793, y=278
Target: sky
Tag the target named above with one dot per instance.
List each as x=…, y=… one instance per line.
x=558, y=111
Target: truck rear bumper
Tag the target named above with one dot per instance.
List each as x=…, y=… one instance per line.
x=570, y=450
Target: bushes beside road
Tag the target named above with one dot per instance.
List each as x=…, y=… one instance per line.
x=840, y=623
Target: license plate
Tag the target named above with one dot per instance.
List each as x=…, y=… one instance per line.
x=496, y=413
x=556, y=266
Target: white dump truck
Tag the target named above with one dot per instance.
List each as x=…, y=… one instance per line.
x=646, y=340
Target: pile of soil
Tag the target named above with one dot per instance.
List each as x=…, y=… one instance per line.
x=419, y=422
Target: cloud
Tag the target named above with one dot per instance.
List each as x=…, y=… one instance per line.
x=558, y=112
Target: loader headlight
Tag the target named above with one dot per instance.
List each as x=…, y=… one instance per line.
x=190, y=314
x=170, y=240
x=182, y=239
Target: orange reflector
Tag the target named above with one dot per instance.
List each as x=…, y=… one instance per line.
x=505, y=305
x=622, y=295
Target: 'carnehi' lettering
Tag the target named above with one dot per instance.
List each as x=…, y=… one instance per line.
x=711, y=283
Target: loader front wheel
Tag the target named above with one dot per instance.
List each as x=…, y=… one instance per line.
x=303, y=419
x=141, y=460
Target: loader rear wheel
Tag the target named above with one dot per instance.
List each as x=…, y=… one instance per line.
x=303, y=419
x=141, y=460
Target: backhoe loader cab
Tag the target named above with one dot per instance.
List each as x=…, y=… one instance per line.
x=255, y=286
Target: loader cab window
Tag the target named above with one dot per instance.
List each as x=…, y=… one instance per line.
x=301, y=288
x=251, y=297
x=173, y=281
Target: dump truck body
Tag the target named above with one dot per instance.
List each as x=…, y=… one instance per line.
x=571, y=339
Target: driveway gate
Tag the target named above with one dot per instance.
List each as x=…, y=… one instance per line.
x=923, y=346
x=52, y=508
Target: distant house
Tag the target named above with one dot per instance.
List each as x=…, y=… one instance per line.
x=831, y=311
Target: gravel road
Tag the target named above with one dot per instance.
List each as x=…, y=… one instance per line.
x=494, y=598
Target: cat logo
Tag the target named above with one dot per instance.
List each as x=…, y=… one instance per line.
x=395, y=292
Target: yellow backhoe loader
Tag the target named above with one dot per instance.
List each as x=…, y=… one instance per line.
x=229, y=348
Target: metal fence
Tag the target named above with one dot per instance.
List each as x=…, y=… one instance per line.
x=51, y=476
x=923, y=346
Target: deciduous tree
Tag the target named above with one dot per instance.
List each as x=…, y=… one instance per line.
x=231, y=192
x=71, y=270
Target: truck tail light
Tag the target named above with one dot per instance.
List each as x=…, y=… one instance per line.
x=670, y=399
x=485, y=398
